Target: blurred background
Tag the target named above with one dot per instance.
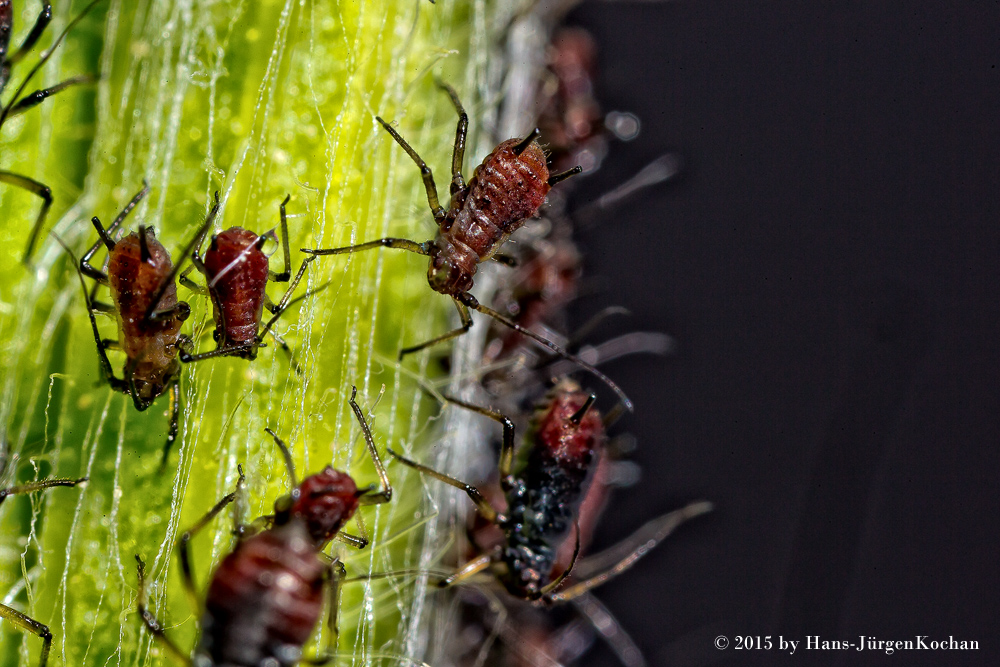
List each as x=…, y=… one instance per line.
x=828, y=265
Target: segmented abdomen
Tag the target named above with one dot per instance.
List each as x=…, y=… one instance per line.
x=505, y=190
x=133, y=284
x=264, y=600
x=237, y=277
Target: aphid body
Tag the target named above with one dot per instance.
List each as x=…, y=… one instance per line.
x=237, y=293
x=266, y=597
x=150, y=345
x=237, y=272
x=544, y=496
x=140, y=276
x=506, y=189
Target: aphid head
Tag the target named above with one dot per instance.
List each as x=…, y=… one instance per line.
x=324, y=502
x=447, y=277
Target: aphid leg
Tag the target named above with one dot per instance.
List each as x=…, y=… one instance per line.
x=335, y=575
x=31, y=487
x=402, y=244
x=625, y=554
x=562, y=176
x=557, y=582
x=175, y=419
x=353, y=540
x=39, y=96
x=506, y=260
x=286, y=252
x=149, y=620
x=102, y=355
x=425, y=172
x=457, y=181
x=14, y=100
x=469, y=570
x=41, y=191
x=183, y=543
x=152, y=314
x=105, y=237
x=471, y=302
x=485, y=509
x=41, y=23
x=507, y=449
x=190, y=284
x=610, y=630
x=463, y=312
x=29, y=624
x=371, y=496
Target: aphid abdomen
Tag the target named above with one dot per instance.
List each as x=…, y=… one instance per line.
x=149, y=344
x=237, y=277
x=506, y=190
x=325, y=502
x=264, y=600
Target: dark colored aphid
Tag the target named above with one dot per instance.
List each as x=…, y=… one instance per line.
x=505, y=190
x=543, y=496
x=266, y=597
x=12, y=615
x=140, y=275
x=21, y=102
x=237, y=271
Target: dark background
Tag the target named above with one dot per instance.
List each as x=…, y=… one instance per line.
x=827, y=264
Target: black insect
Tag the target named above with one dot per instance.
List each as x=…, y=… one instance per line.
x=267, y=596
x=12, y=615
x=562, y=450
x=236, y=272
x=140, y=276
x=21, y=102
x=506, y=189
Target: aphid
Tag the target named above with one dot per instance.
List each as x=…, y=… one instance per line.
x=571, y=120
x=563, y=447
x=20, y=102
x=141, y=276
x=505, y=190
x=237, y=270
x=19, y=619
x=266, y=596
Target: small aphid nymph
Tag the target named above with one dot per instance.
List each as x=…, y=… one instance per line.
x=506, y=189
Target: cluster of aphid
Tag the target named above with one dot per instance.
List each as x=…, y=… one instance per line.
x=267, y=596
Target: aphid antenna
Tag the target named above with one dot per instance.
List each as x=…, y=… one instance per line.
x=151, y=312
x=293, y=481
x=660, y=170
x=14, y=107
x=470, y=301
x=610, y=630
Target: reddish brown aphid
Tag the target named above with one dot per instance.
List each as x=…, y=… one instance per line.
x=237, y=272
x=20, y=102
x=506, y=189
x=563, y=448
x=266, y=597
x=140, y=275
x=12, y=615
